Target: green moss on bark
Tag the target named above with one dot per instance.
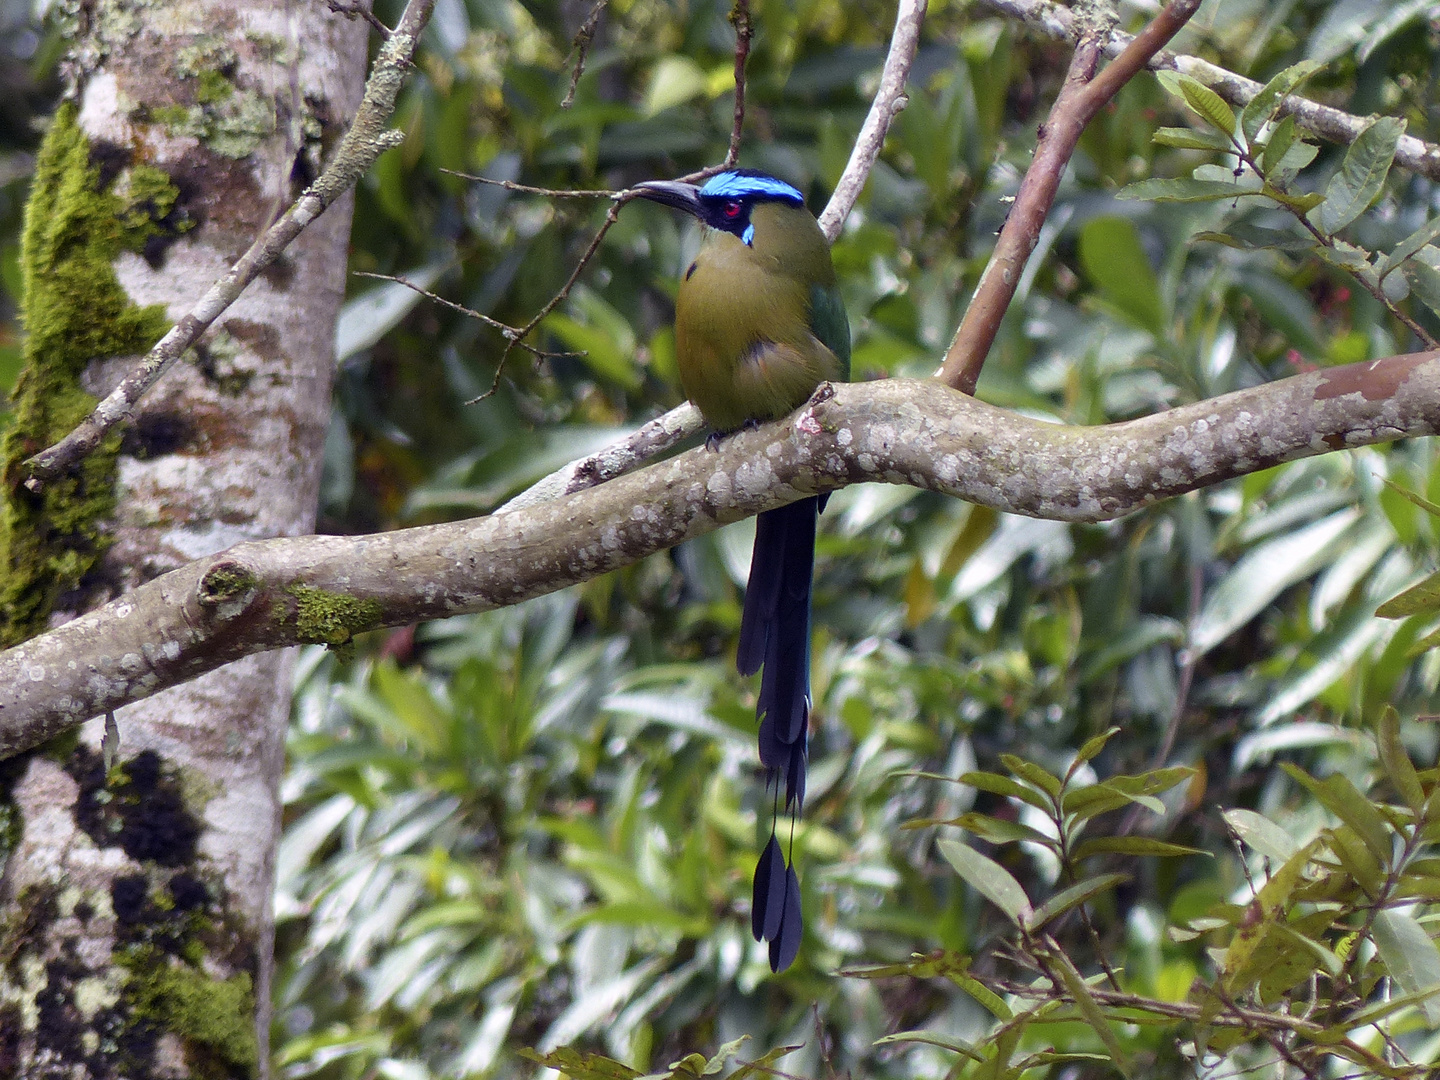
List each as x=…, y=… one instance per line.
x=75, y=311
x=326, y=618
x=214, y=1017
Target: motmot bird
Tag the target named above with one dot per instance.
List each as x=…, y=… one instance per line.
x=759, y=324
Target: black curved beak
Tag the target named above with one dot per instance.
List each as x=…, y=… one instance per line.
x=674, y=193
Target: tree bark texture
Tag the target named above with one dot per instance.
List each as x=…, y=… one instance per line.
x=136, y=900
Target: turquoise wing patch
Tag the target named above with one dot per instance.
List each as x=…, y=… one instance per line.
x=830, y=323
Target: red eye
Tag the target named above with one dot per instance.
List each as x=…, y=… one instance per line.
x=732, y=209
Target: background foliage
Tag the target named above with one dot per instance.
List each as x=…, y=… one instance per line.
x=535, y=828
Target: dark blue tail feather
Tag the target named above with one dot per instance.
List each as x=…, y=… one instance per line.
x=775, y=639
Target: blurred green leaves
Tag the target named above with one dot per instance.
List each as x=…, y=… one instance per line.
x=536, y=827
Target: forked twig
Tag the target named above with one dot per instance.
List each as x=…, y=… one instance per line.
x=580, y=49
x=354, y=9
x=507, y=331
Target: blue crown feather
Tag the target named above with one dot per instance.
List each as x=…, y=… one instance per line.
x=749, y=184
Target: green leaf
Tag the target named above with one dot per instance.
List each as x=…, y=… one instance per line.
x=580, y=1066
x=1032, y=774
x=1338, y=795
x=1075, y=895
x=1422, y=272
x=1183, y=190
x=1419, y=599
x=1409, y=247
x=1397, y=763
x=1302, y=203
x=1090, y=1009
x=1190, y=139
x=1132, y=845
x=1262, y=834
x=1094, y=745
x=1361, y=175
x=988, y=878
x=605, y=337
x=998, y=830
x=1260, y=109
x=1410, y=956
x=1084, y=803
x=950, y=965
x=1262, y=574
x=930, y=1038
x=1278, y=145
x=1003, y=785
x=764, y=1065
x=724, y=1054
x=1414, y=496
x=675, y=79
x=1357, y=859
x=1207, y=103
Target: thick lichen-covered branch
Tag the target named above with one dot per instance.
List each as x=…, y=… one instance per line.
x=272, y=593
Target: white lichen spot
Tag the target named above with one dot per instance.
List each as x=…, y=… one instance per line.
x=123, y=610
x=92, y=994
x=865, y=462
x=718, y=486
x=843, y=437
x=35, y=672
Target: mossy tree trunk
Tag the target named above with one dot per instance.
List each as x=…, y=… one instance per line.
x=135, y=936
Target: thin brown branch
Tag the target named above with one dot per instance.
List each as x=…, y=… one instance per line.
x=580, y=49
x=1082, y=96
x=515, y=336
x=274, y=593
x=889, y=100
x=740, y=19
x=526, y=189
x=366, y=140
x=1328, y=123
x=1262, y=1023
x=507, y=331
x=355, y=9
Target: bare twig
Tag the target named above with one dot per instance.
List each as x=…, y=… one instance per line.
x=354, y=9
x=366, y=140
x=1081, y=97
x=740, y=19
x=509, y=332
x=1331, y=124
x=274, y=593
x=580, y=49
x=889, y=101
x=513, y=336
x=526, y=189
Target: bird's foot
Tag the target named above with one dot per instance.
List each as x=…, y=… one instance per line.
x=715, y=438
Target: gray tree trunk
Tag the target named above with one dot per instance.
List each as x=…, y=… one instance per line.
x=136, y=930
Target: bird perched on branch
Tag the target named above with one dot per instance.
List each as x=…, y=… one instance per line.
x=759, y=324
